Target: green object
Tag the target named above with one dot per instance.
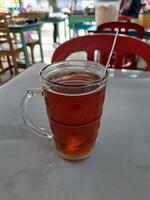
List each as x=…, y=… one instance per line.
x=146, y=12
x=77, y=21
x=24, y=28
x=74, y=19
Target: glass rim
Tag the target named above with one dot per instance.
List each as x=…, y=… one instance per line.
x=101, y=79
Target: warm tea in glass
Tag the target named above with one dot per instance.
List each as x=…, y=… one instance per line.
x=74, y=93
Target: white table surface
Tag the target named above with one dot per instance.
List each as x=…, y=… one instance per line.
x=118, y=169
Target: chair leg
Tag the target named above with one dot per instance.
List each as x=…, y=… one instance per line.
x=10, y=67
x=1, y=65
x=76, y=33
x=69, y=33
x=32, y=54
x=15, y=64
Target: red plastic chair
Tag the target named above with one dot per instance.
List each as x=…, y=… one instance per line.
x=124, y=18
x=124, y=28
x=103, y=42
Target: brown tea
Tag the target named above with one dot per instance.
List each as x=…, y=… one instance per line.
x=74, y=107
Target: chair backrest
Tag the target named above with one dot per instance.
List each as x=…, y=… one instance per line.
x=124, y=28
x=4, y=17
x=103, y=43
x=5, y=37
x=124, y=18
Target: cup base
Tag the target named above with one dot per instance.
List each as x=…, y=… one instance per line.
x=77, y=154
x=74, y=158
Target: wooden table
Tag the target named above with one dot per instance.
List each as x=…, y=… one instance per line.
x=56, y=20
x=24, y=28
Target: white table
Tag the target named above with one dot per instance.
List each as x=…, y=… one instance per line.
x=118, y=169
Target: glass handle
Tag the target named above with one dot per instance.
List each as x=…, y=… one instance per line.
x=25, y=114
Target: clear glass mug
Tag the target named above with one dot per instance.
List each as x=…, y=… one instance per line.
x=74, y=93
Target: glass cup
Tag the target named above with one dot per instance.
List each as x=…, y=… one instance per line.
x=74, y=93
x=106, y=11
